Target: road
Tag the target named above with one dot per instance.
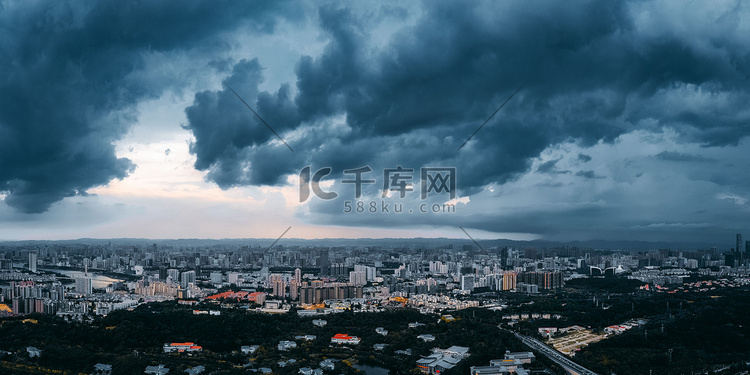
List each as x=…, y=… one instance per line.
x=557, y=357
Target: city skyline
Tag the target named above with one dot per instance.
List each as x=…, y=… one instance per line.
x=243, y=305
x=621, y=121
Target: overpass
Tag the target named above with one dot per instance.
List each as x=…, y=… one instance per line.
x=563, y=361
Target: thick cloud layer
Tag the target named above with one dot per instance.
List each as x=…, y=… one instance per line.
x=591, y=71
x=72, y=75
x=627, y=110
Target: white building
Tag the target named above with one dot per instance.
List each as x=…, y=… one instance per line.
x=305, y=337
x=187, y=278
x=523, y=357
x=426, y=337
x=245, y=349
x=33, y=352
x=32, y=261
x=358, y=278
x=341, y=338
x=156, y=370
x=442, y=359
x=181, y=347
x=286, y=345
x=102, y=369
x=84, y=285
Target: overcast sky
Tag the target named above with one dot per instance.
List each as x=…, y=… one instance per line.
x=630, y=120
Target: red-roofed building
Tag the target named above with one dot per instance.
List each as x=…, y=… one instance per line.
x=181, y=347
x=341, y=338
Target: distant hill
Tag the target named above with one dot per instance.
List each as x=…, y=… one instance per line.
x=378, y=242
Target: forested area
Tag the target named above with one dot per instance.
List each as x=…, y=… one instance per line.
x=130, y=341
x=704, y=331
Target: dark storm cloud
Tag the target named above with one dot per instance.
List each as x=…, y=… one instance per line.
x=682, y=157
x=550, y=167
x=70, y=84
x=584, y=158
x=590, y=74
x=547, y=166
x=587, y=174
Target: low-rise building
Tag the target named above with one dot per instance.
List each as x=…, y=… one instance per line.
x=442, y=359
x=426, y=337
x=156, y=370
x=286, y=345
x=102, y=369
x=547, y=331
x=424, y=362
x=523, y=357
x=460, y=352
x=341, y=338
x=511, y=365
x=327, y=364
x=319, y=322
x=446, y=318
x=181, y=347
x=497, y=370
x=33, y=352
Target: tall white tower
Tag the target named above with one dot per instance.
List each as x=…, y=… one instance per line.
x=32, y=261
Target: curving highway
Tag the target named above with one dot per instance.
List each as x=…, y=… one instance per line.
x=564, y=362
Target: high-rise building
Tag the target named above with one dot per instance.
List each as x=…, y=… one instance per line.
x=6, y=264
x=84, y=285
x=293, y=290
x=298, y=276
x=187, y=278
x=277, y=284
x=729, y=259
x=174, y=274
x=370, y=272
x=338, y=270
x=357, y=277
x=16, y=305
x=323, y=262
x=509, y=280
x=319, y=292
x=545, y=280
x=467, y=282
x=740, y=244
x=32, y=261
